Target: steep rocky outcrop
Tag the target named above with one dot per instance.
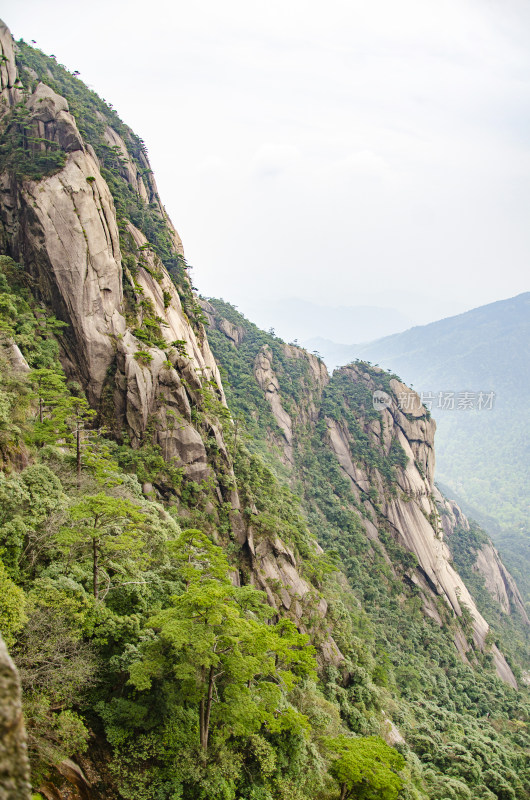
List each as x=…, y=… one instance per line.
x=14, y=768
x=268, y=369
x=312, y=379
x=9, y=91
x=276, y=572
x=497, y=580
x=499, y=583
x=308, y=453
x=64, y=229
x=234, y=333
x=407, y=508
x=268, y=382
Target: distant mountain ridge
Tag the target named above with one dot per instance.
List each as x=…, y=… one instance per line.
x=477, y=334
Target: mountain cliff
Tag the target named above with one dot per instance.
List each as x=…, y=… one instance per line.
x=481, y=456
x=485, y=559
x=387, y=458
x=157, y=472
x=133, y=336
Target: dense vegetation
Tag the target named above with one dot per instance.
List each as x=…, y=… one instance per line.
x=103, y=594
x=125, y=627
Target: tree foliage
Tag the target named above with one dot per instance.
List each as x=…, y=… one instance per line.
x=216, y=642
x=366, y=768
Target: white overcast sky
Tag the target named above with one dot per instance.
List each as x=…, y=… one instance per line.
x=344, y=153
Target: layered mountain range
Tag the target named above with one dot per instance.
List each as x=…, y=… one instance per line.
x=319, y=498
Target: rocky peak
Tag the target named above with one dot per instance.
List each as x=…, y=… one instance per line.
x=386, y=453
x=8, y=69
x=64, y=229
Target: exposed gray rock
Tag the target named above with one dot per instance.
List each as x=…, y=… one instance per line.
x=14, y=767
x=64, y=229
x=313, y=383
x=68, y=239
x=267, y=380
x=275, y=571
x=498, y=581
x=9, y=95
x=411, y=514
x=234, y=333
x=391, y=732
x=128, y=169
x=53, y=121
x=75, y=775
x=16, y=359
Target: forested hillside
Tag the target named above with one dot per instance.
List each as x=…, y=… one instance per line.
x=224, y=574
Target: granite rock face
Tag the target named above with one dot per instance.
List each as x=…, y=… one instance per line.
x=499, y=583
x=410, y=513
x=312, y=381
x=66, y=235
x=64, y=229
x=14, y=766
x=9, y=93
x=268, y=382
x=234, y=333
x=497, y=580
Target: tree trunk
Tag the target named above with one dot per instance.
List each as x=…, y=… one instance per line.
x=205, y=711
x=201, y=722
x=95, y=567
x=201, y=714
x=78, y=454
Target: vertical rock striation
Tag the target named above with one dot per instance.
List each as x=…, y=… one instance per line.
x=64, y=229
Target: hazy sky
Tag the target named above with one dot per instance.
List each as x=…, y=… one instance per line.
x=340, y=152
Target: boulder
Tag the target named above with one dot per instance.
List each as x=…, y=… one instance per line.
x=14, y=766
